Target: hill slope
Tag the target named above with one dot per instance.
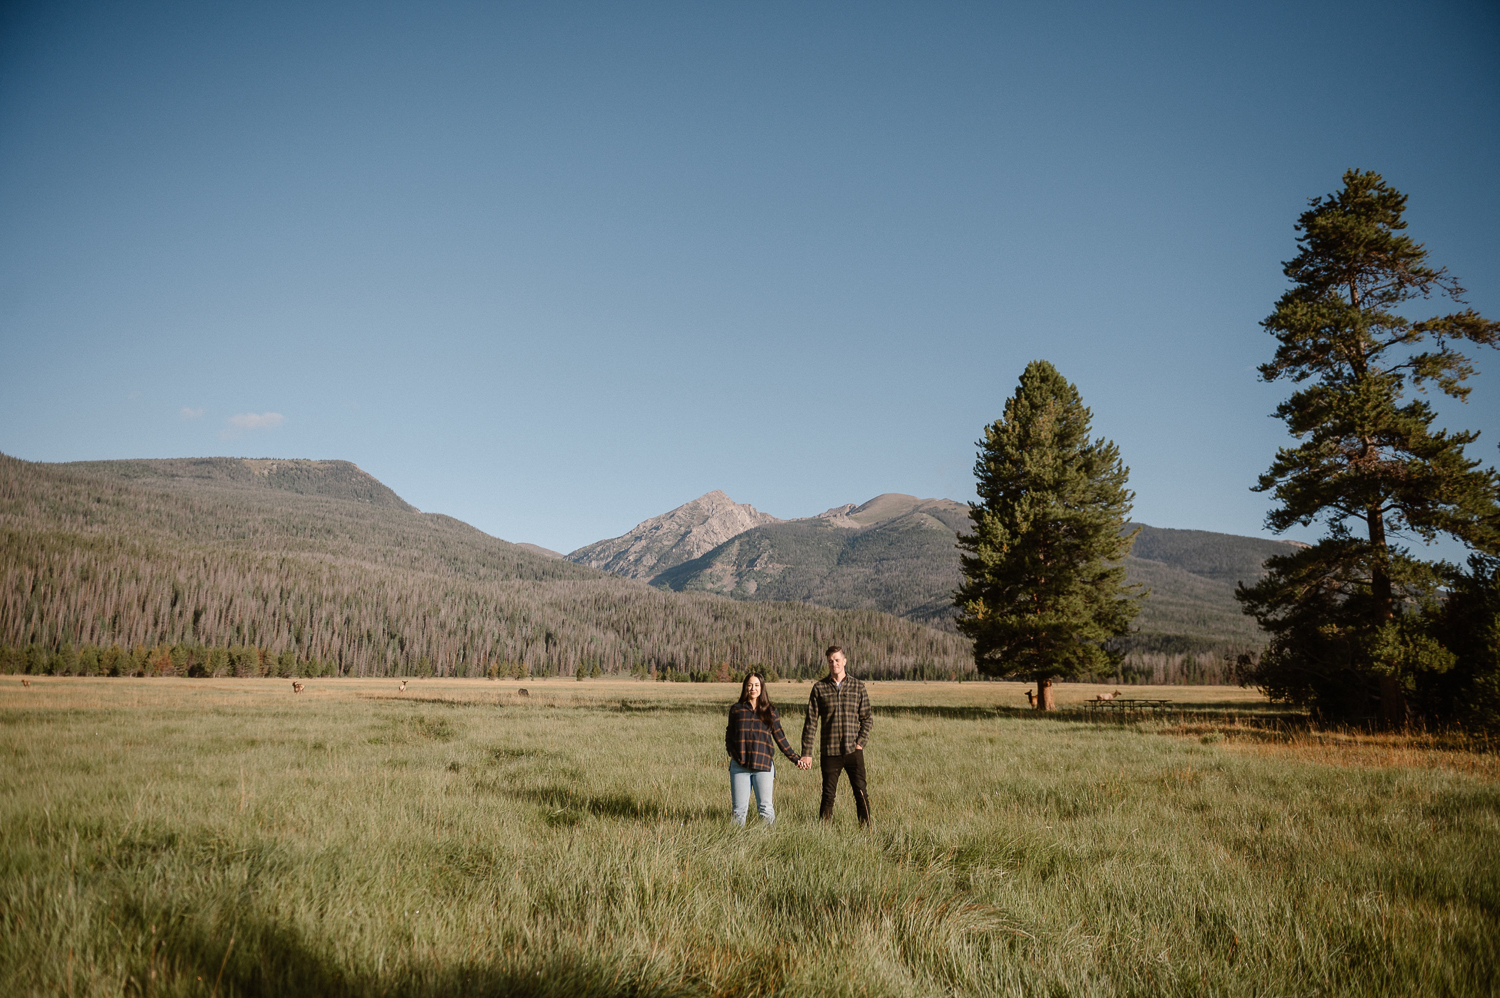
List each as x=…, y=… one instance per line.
x=321, y=560
x=896, y=553
x=334, y=479
x=1192, y=575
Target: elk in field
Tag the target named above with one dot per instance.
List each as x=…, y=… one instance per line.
x=523, y=692
x=25, y=682
x=403, y=687
x=1107, y=696
x=1031, y=698
x=296, y=687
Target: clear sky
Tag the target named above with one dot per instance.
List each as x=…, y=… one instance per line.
x=554, y=268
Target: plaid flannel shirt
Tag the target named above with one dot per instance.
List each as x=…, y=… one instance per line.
x=748, y=740
x=844, y=712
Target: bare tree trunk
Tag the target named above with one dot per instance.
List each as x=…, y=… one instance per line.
x=1044, y=698
x=1380, y=567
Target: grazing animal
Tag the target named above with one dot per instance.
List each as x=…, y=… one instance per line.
x=25, y=682
x=522, y=692
x=403, y=687
x=1031, y=697
x=296, y=687
x=1107, y=696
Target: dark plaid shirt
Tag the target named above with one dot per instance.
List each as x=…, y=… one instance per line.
x=748, y=740
x=844, y=712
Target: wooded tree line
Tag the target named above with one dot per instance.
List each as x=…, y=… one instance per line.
x=240, y=661
x=250, y=662
x=362, y=590
x=1200, y=669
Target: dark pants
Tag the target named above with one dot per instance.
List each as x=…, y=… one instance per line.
x=854, y=765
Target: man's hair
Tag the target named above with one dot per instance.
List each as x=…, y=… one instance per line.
x=834, y=650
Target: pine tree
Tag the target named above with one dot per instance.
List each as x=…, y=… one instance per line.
x=1345, y=616
x=1468, y=624
x=1044, y=586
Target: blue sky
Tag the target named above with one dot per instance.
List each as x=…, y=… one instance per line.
x=554, y=268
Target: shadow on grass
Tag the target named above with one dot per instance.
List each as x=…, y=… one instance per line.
x=625, y=706
x=1079, y=714
x=256, y=956
x=666, y=707
x=944, y=712
x=1181, y=711
x=439, y=701
x=566, y=805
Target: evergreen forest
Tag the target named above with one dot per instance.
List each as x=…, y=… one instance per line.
x=242, y=567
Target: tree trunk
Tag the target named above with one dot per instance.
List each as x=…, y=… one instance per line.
x=1044, y=699
x=1380, y=566
x=1392, y=703
x=1392, y=696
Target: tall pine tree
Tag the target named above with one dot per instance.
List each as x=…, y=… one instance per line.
x=1044, y=586
x=1346, y=615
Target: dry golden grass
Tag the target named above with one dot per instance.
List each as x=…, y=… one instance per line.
x=790, y=696
x=230, y=837
x=1240, y=717
x=1472, y=755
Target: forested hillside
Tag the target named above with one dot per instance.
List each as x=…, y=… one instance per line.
x=897, y=554
x=319, y=560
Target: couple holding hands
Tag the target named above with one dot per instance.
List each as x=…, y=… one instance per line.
x=839, y=704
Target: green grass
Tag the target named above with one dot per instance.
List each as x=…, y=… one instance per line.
x=180, y=837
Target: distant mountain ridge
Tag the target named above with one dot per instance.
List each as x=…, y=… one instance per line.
x=897, y=553
x=894, y=553
x=678, y=535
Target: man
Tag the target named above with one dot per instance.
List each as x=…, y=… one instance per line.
x=841, y=705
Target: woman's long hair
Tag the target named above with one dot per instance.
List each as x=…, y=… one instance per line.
x=763, y=708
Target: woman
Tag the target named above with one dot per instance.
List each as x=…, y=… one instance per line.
x=752, y=757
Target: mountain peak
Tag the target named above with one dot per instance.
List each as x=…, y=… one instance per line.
x=717, y=499
x=680, y=535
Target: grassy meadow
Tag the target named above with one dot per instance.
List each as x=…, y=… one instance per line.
x=227, y=837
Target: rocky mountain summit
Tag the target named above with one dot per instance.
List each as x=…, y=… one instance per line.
x=662, y=542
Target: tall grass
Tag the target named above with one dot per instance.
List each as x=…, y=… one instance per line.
x=166, y=837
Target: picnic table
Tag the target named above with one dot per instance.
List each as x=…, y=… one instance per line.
x=1127, y=704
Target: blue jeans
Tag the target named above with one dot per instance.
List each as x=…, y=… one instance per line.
x=741, y=780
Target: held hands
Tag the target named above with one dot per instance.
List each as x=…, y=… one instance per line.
x=805, y=762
